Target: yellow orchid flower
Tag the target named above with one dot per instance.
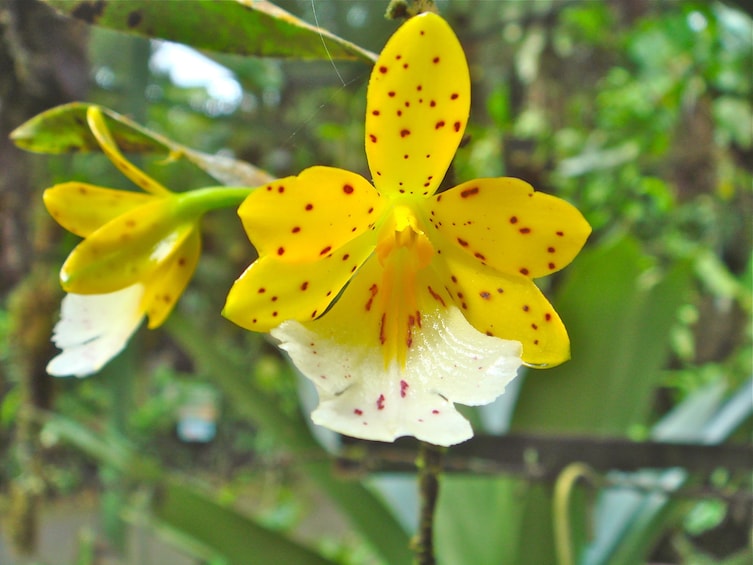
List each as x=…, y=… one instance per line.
x=395, y=301
x=138, y=254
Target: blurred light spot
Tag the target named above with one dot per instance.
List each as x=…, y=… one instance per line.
x=697, y=21
x=188, y=68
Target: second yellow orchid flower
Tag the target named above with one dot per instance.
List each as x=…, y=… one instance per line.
x=138, y=254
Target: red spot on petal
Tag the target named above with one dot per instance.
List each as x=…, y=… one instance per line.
x=469, y=192
x=404, y=132
x=524, y=271
x=548, y=317
x=534, y=326
x=436, y=296
x=560, y=233
x=375, y=112
x=280, y=250
x=380, y=402
x=383, y=69
x=358, y=412
x=403, y=388
x=280, y=189
x=478, y=255
x=346, y=257
x=304, y=285
x=485, y=295
x=439, y=124
x=456, y=126
x=500, y=290
x=462, y=242
x=399, y=113
x=262, y=290
x=432, y=103
x=325, y=250
x=454, y=96
x=419, y=88
x=182, y=262
x=513, y=219
x=373, y=138
x=552, y=266
x=391, y=94
x=309, y=207
x=348, y=189
x=526, y=308
x=435, y=60
x=435, y=411
x=550, y=249
x=274, y=314
x=525, y=230
x=382, y=337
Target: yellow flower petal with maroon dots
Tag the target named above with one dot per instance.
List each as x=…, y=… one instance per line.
x=271, y=291
x=510, y=307
x=169, y=281
x=417, y=107
x=84, y=208
x=310, y=216
x=504, y=223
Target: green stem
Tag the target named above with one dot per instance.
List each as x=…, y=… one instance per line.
x=196, y=202
x=429, y=464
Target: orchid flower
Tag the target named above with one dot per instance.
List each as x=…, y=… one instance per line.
x=139, y=252
x=395, y=301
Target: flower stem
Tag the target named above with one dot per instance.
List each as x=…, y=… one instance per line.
x=429, y=464
x=205, y=199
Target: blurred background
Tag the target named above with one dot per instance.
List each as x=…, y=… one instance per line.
x=637, y=111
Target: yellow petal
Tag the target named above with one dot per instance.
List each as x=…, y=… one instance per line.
x=417, y=107
x=272, y=291
x=310, y=216
x=83, y=208
x=126, y=250
x=101, y=132
x=507, y=306
x=170, y=280
x=503, y=223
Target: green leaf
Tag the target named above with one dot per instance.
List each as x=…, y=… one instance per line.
x=240, y=27
x=629, y=523
x=220, y=529
x=235, y=537
x=618, y=310
x=64, y=129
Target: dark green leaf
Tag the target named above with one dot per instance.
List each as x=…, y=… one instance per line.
x=241, y=27
x=64, y=130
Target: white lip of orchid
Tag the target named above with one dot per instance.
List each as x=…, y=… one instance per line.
x=93, y=329
x=450, y=362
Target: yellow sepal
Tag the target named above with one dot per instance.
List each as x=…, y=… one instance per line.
x=126, y=250
x=271, y=291
x=169, y=281
x=417, y=107
x=84, y=208
x=310, y=216
x=503, y=223
x=510, y=307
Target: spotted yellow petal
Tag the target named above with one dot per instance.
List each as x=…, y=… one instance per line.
x=83, y=208
x=101, y=132
x=310, y=216
x=169, y=281
x=126, y=250
x=271, y=291
x=504, y=223
x=417, y=107
x=507, y=306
